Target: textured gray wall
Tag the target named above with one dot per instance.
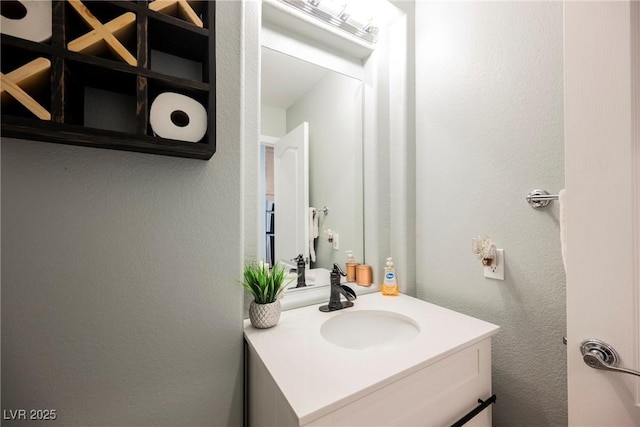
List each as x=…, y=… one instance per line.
x=489, y=129
x=119, y=297
x=333, y=109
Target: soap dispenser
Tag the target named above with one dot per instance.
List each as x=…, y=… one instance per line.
x=351, y=267
x=390, y=285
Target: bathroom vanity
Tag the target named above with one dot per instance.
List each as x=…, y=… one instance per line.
x=388, y=361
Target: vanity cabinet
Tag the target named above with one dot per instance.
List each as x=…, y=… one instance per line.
x=94, y=74
x=297, y=377
x=435, y=395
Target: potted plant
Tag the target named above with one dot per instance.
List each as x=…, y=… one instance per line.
x=266, y=286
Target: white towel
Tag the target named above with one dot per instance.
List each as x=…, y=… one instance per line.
x=316, y=223
x=313, y=232
x=562, y=199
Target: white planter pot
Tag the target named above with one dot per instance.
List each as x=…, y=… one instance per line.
x=264, y=316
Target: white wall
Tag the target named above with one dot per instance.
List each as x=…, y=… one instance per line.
x=273, y=121
x=489, y=108
x=120, y=303
x=333, y=109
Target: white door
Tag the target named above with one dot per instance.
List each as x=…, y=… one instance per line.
x=291, y=188
x=602, y=73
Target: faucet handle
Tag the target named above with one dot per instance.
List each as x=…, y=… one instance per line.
x=337, y=269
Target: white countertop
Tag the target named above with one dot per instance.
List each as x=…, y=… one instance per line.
x=317, y=377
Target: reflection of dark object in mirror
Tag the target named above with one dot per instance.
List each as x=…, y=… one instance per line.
x=300, y=267
x=272, y=226
x=270, y=237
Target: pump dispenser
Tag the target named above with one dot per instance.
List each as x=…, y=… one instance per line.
x=390, y=286
x=351, y=267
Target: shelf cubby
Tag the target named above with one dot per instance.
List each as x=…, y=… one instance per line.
x=199, y=93
x=183, y=47
x=101, y=29
x=26, y=84
x=191, y=12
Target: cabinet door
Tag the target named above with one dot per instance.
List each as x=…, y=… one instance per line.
x=267, y=405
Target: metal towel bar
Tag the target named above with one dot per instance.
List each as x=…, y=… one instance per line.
x=540, y=198
x=483, y=404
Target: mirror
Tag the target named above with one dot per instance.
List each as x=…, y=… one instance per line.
x=295, y=92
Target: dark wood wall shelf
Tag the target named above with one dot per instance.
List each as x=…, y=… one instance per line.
x=94, y=81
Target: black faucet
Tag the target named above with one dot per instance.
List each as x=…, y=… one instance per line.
x=336, y=290
x=300, y=266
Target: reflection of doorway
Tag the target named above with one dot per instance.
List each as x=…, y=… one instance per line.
x=284, y=195
x=269, y=206
x=291, y=188
x=266, y=194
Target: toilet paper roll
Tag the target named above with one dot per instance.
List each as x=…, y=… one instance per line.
x=27, y=19
x=176, y=116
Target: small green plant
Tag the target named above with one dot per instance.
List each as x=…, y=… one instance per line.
x=265, y=285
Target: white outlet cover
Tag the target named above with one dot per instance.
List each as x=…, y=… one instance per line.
x=496, y=271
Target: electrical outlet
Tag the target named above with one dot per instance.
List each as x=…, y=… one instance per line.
x=336, y=241
x=496, y=270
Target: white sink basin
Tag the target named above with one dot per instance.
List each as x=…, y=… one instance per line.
x=369, y=329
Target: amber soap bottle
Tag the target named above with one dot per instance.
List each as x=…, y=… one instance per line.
x=351, y=267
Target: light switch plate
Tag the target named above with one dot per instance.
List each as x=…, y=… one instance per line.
x=496, y=271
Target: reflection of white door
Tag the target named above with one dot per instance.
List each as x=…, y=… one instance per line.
x=602, y=122
x=291, y=178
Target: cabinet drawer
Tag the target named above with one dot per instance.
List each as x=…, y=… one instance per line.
x=436, y=395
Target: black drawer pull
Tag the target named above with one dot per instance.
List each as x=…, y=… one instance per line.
x=483, y=404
